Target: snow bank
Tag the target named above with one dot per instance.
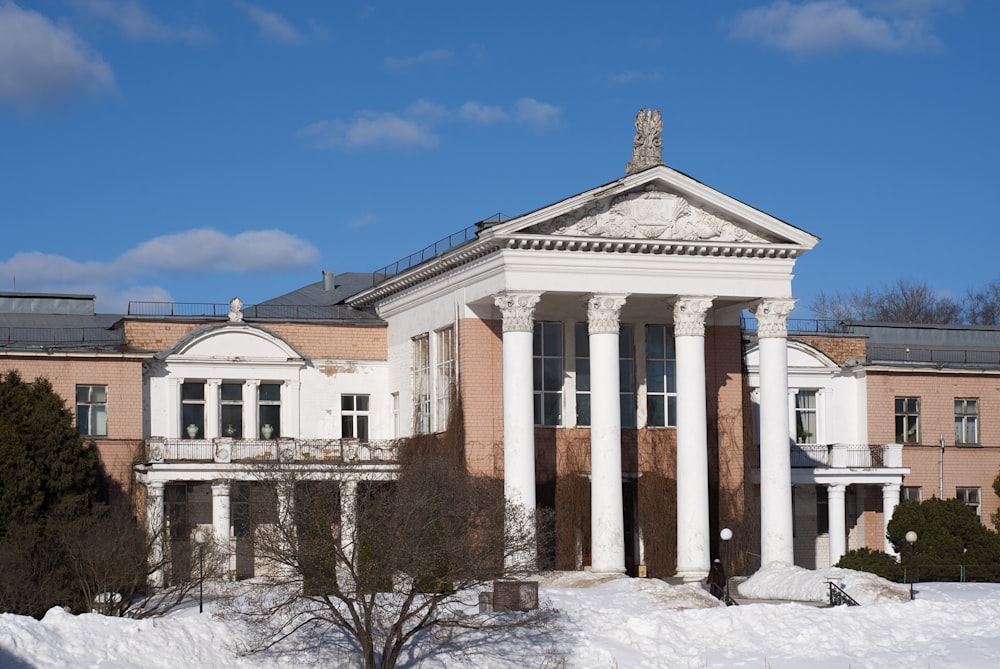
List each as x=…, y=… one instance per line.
x=785, y=581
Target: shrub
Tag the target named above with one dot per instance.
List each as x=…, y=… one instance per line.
x=874, y=562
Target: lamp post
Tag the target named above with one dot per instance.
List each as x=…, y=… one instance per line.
x=201, y=538
x=726, y=534
x=911, y=538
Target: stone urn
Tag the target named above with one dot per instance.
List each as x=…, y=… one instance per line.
x=266, y=430
x=192, y=431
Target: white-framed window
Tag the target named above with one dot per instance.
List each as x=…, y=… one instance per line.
x=422, y=384
x=354, y=417
x=626, y=373
x=175, y=514
x=92, y=410
x=269, y=410
x=547, y=349
x=909, y=493
x=231, y=409
x=444, y=375
x=805, y=417
x=966, y=420
x=907, y=420
x=970, y=497
x=822, y=509
x=193, y=409
x=661, y=377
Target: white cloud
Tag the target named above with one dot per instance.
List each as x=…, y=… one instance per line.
x=414, y=128
x=138, y=24
x=423, y=58
x=823, y=26
x=482, y=114
x=273, y=27
x=632, y=77
x=363, y=221
x=538, y=114
x=199, y=251
x=44, y=66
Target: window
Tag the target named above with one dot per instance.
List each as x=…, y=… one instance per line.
x=548, y=372
x=909, y=493
x=239, y=502
x=661, y=377
x=231, y=409
x=395, y=415
x=354, y=417
x=969, y=497
x=805, y=417
x=907, y=420
x=444, y=375
x=92, y=410
x=193, y=409
x=422, y=384
x=966, y=421
x=822, y=509
x=175, y=510
x=269, y=410
x=626, y=374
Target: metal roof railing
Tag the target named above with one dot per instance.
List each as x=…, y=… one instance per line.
x=800, y=326
x=274, y=312
x=437, y=248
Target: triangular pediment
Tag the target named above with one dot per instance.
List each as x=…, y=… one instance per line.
x=658, y=204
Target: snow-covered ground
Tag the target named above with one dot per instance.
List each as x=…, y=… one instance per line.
x=601, y=622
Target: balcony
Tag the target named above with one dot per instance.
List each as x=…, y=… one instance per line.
x=224, y=450
x=847, y=456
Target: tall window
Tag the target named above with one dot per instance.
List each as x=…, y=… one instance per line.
x=422, y=384
x=92, y=410
x=175, y=510
x=231, y=409
x=239, y=502
x=548, y=372
x=822, y=509
x=969, y=497
x=907, y=420
x=626, y=374
x=805, y=417
x=661, y=376
x=193, y=409
x=444, y=375
x=269, y=410
x=966, y=421
x=354, y=417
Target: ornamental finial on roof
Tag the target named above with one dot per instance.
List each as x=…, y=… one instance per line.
x=236, y=310
x=648, y=146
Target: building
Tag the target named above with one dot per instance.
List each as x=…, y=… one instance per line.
x=594, y=346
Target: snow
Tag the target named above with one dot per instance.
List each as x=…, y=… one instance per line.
x=602, y=621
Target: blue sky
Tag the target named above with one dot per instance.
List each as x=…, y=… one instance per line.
x=195, y=150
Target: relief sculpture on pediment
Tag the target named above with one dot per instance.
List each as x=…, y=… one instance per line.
x=650, y=214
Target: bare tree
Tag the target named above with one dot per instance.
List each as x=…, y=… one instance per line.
x=983, y=307
x=900, y=302
x=403, y=579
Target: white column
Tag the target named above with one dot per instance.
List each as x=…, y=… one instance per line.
x=155, y=529
x=222, y=520
x=348, y=517
x=693, y=540
x=776, y=543
x=251, y=429
x=836, y=514
x=518, y=419
x=890, y=498
x=285, y=492
x=607, y=524
x=212, y=408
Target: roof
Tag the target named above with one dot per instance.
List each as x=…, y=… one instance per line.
x=318, y=294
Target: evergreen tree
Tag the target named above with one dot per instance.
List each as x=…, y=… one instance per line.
x=45, y=467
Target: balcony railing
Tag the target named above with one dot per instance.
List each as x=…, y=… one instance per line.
x=226, y=450
x=848, y=456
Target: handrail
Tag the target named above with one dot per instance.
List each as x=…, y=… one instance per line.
x=722, y=594
x=839, y=597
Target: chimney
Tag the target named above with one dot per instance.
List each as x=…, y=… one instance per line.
x=328, y=283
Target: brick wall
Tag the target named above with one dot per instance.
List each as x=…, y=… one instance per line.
x=315, y=340
x=480, y=349
x=838, y=348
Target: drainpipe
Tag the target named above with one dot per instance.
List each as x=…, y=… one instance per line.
x=941, y=469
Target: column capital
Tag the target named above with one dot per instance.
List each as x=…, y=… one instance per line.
x=518, y=310
x=689, y=315
x=603, y=311
x=772, y=317
x=836, y=488
x=891, y=488
x=155, y=488
x=221, y=486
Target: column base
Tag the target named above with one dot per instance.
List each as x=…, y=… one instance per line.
x=608, y=570
x=692, y=575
